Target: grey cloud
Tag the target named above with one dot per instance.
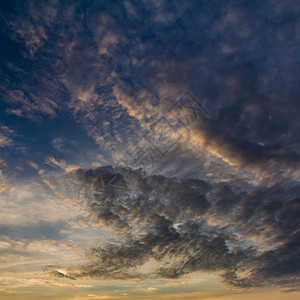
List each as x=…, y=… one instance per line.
x=171, y=221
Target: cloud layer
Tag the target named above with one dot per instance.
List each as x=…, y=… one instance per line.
x=168, y=227
x=86, y=84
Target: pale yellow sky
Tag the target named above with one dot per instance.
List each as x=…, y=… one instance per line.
x=191, y=287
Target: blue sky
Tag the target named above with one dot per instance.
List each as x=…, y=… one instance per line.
x=149, y=149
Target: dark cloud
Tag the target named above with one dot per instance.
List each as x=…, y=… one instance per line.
x=188, y=226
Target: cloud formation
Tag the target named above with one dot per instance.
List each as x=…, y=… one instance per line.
x=183, y=226
x=85, y=83
x=116, y=68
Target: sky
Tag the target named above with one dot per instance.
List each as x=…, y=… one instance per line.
x=149, y=149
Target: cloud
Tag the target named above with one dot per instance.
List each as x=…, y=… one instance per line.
x=13, y=284
x=5, y=136
x=188, y=226
x=19, y=199
x=226, y=199
x=61, y=163
x=135, y=66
